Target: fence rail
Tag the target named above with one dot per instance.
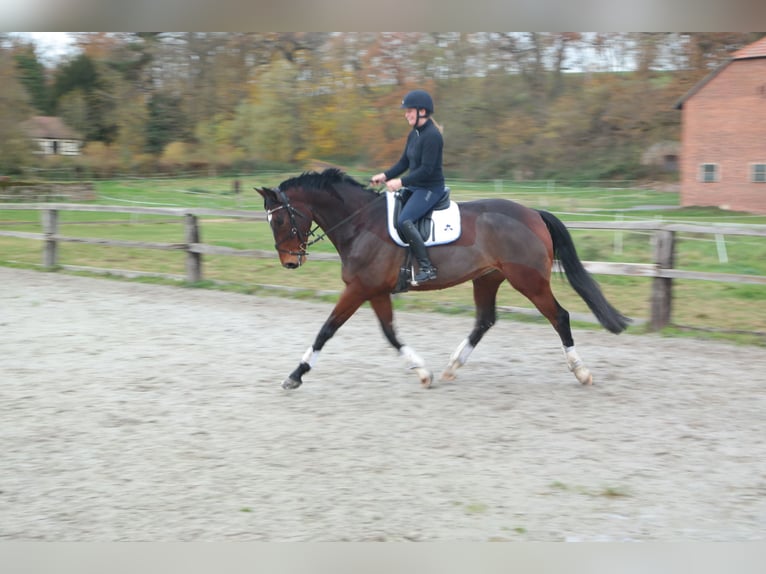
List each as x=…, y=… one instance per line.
x=662, y=270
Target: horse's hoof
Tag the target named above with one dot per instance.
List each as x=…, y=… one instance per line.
x=290, y=383
x=427, y=379
x=584, y=376
x=448, y=375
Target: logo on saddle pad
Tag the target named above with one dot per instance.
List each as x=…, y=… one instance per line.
x=438, y=227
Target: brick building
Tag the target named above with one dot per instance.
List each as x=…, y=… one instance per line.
x=723, y=135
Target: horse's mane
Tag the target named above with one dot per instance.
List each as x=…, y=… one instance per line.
x=324, y=180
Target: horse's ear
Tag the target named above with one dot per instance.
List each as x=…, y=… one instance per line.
x=266, y=193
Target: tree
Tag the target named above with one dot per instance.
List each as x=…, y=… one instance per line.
x=535, y=104
x=166, y=122
x=15, y=146
x=268, y=126
x=31, y=74
x=81, y=74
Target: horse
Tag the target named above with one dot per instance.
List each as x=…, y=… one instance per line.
x=501, y=240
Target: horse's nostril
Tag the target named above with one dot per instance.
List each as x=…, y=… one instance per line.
x=291, y=265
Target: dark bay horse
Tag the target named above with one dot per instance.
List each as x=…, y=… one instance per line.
x=501, y=240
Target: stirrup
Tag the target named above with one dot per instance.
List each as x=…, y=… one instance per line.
x=425, y=274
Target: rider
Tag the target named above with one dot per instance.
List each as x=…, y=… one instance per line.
x=423, y=158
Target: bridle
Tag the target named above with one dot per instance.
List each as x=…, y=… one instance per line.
x=293, y=214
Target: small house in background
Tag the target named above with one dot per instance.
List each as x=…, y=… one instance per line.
x=723, y=135
x=53, y=136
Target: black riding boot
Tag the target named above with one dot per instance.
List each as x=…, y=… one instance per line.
x=417, y=245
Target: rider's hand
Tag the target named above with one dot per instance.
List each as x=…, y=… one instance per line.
x=378, y=178
x=394, y=184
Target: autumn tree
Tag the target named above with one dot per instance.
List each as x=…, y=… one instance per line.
x=15, y=146
x=31, y=74
x=90, y=106
x=522, y=104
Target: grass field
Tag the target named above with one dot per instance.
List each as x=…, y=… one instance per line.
x=730, y=309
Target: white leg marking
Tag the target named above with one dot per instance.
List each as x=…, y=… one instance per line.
x=414, y=362
x=310, y=357
x=457, y=359
x=577, y=366
x=411, y=357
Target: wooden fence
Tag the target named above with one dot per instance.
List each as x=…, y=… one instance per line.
x=662, y=269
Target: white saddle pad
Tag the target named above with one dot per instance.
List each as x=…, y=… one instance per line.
x=445, y=226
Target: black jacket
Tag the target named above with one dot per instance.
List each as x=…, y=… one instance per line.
x=423, y=157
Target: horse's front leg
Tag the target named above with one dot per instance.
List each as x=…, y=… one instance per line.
x=385, y=313
x=346, y=306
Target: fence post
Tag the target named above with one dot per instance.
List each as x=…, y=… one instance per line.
x=618, y=236
x=50, y=221
x=662, y=287
x=193, y=260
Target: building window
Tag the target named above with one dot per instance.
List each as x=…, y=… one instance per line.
x=709, y=172
x=759, y=173
x=69, y=147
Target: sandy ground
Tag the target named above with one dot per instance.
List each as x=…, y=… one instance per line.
x=133, y=412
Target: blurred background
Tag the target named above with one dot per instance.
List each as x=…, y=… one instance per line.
x=528, y=105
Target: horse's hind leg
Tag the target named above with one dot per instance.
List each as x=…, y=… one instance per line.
x=385, y=313
x=539, y=292
x=485, y=297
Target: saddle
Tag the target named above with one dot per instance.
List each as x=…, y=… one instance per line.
x=439, y=226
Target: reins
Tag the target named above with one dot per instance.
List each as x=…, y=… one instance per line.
x=294, y=231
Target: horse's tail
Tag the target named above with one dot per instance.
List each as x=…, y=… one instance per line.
x=581, y=281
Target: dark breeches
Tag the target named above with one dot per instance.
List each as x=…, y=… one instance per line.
x=420, y=202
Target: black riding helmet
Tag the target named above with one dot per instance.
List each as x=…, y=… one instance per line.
x=419, y=99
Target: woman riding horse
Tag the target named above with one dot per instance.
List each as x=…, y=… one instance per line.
x=500, y=241
x=423, y=157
